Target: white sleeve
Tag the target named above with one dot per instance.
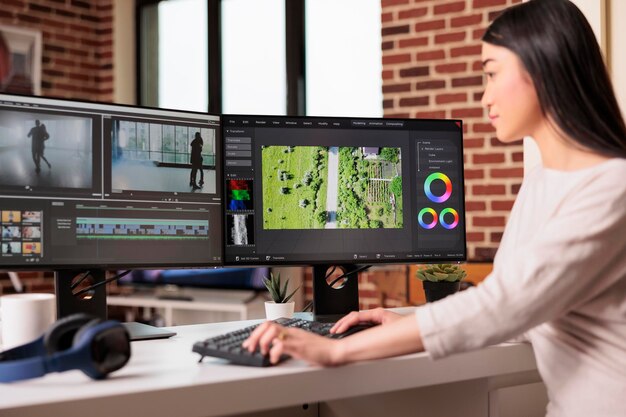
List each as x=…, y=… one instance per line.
x=577, y=255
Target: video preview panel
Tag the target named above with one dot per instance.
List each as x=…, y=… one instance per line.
x=46, y=151
x=163, y=157
x=330, y=187
x=318, y=190
x=144, y=192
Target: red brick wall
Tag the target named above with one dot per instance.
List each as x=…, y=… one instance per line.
x=32, y=281
x=77, y=50
x=432, y=69
x=77, y=62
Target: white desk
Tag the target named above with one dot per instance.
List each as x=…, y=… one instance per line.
x=164, y=378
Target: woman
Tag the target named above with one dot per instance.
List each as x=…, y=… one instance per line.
x=559, y=276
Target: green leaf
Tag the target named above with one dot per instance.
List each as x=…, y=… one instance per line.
x=431, y=277
x=440, y=273
x=283, y=292
x=275, y=296
x=278, y=291
x=291, y=295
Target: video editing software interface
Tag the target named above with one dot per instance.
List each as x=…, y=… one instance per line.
x=90, y=184
x=342, y=190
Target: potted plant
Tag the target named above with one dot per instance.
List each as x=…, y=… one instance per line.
x=440, y=280
x=280, y=306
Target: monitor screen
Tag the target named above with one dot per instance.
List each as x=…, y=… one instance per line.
x=342, y=190
x=108, y=186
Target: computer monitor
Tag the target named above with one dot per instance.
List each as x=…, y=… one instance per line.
x=324, y=190
x=91, y=186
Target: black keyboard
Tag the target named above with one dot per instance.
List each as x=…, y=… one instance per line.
x=228, y=346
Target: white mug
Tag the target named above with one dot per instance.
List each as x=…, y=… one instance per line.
x=25, y=317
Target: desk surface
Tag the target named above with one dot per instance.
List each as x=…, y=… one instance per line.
x=164, y=378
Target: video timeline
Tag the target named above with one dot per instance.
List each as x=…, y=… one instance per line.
x=140, y=229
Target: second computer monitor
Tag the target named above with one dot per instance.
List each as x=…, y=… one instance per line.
x=102, y=186
x=342, y=190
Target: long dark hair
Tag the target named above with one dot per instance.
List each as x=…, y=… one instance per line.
x=559, y=51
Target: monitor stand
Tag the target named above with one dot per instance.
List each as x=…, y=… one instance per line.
x=94, y=302
x=332, y=303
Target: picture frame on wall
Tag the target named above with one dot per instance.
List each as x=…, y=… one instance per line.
x=20, y=60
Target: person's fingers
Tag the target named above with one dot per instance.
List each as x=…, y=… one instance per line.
x=376, y=315
x=251, y=342
x=290, y=342
x=309, y=347
x=278, y=348
x=345, y=322
x=354, y=318
x=268, y=336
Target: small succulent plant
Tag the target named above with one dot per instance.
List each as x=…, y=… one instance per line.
x=441, y=272
x=277, y=290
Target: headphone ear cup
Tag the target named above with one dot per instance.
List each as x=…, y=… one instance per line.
x=60, y=335
x=78, y=336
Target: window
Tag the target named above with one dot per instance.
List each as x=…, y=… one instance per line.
x=254, y=76
x=174, y=56
x=251, y=66
x=343, y=58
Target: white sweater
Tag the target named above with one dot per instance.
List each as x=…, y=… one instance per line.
x=559, y=278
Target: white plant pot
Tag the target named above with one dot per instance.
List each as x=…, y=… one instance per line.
x=275, y=311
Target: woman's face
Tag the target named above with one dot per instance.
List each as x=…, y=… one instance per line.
x=510, y=97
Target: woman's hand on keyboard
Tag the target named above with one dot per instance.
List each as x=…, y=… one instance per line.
x=277, y=340
x=377, y=316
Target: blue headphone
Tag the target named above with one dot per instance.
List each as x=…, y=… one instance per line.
x=80, y=341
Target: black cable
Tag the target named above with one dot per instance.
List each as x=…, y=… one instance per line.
x=81, y=279
x=98, y=284
x=344, y=275
x=309, y=306
x=347, y=274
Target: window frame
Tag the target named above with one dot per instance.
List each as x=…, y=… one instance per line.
x=294, y=50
